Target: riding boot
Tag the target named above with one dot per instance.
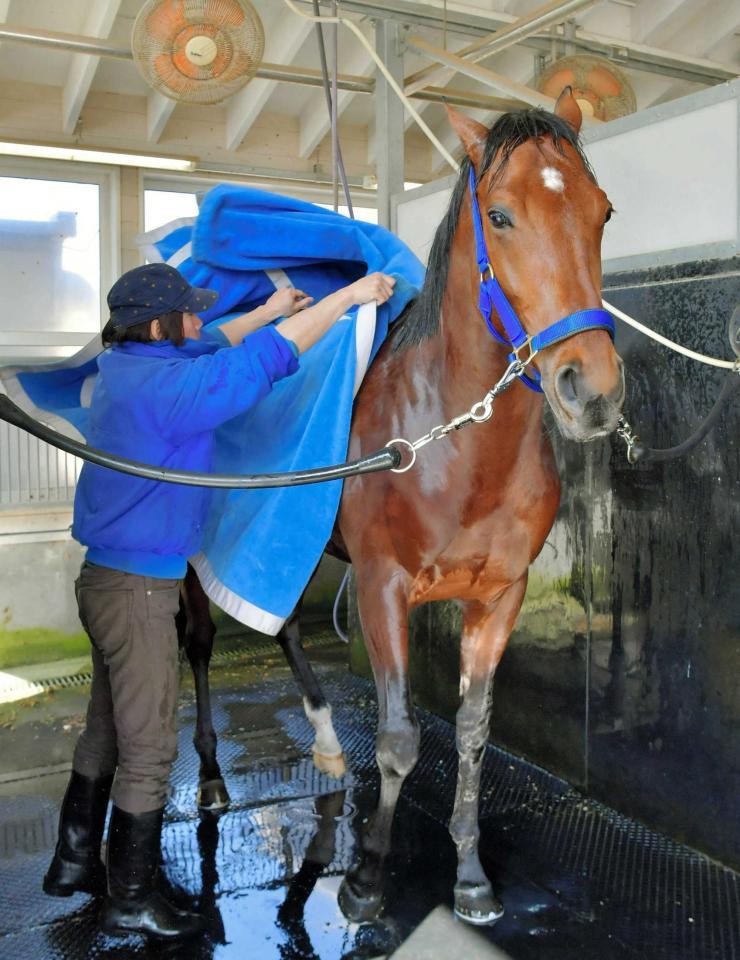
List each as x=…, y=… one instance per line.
x=133, y=905
x=76, y=865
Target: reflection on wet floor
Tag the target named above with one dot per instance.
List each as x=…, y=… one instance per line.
x=577, y=880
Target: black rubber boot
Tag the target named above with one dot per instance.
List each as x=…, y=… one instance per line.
x=76, y=866
x=133, y=905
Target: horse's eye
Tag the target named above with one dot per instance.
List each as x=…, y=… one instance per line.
x=498, y=220
x=609, y=213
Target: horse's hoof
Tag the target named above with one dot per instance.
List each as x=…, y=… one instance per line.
x=475, y=903
x=358, y=906
x=331, y=764
x=213, y=797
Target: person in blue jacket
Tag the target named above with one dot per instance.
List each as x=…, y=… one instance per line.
x=163, y=387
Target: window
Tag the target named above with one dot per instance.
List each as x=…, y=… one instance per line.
x=164, y=206
x=56, y=255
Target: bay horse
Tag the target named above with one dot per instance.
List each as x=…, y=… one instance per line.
x=468, y=521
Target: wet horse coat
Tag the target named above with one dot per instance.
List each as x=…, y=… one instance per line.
x=468, y=521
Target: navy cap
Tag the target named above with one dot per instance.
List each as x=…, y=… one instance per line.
x=150, y=291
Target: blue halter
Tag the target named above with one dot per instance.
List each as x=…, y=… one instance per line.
x=492, y=297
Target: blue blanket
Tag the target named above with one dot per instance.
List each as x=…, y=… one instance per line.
x=261, y=546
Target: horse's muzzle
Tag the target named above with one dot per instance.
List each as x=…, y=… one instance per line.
x=583, y=412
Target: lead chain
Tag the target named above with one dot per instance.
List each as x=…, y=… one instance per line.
x=480, y=412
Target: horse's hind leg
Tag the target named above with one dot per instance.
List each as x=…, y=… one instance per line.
x=327, y=751
x=486, y=630
x=197, y=631
x=384, y=613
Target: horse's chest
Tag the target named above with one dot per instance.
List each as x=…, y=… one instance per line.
x=476, y=564
x=476, y=560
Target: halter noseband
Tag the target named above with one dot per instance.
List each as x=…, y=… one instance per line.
x=492, y=297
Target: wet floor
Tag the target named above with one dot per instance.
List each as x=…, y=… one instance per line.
x=577, y=879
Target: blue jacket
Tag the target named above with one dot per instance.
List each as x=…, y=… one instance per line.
x=161, y=404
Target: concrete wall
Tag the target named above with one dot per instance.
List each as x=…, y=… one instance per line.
x=36, y=585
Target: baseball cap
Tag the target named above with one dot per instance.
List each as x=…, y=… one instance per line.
x=152, y=290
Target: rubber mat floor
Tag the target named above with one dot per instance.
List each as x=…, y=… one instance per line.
x=577, y=879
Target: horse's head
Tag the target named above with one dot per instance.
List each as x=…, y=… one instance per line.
x=543, y=216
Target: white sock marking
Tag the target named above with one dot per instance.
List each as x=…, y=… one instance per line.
x=326, y=740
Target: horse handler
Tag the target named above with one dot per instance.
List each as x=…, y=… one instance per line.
x=161, y=391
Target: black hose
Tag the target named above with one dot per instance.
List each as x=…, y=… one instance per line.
x=640, y=453
x=385, y=459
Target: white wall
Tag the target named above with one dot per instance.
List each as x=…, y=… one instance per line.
x=671, y=172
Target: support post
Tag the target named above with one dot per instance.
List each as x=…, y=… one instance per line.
x=389, y=128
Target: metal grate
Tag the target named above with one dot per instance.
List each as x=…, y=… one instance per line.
x=577, y=878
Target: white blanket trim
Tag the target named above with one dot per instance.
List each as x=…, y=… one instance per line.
x=238, y=608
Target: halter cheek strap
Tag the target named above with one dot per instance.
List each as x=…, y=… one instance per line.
x=492, y=297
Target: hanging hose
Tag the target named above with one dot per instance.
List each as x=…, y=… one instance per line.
x=638, y=452
x=676, y=347
x=335, y=609
x=331, y=107
x=388, y=458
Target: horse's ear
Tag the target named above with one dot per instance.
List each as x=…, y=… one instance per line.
x=567, y=109
x=472, y=134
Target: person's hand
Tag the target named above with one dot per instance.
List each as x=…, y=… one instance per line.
x=376, y=287
x=287, y=301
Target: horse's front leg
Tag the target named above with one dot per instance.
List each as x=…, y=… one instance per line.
x=383, y=605
x=486, y=630
x=197, y=631
x=327, y=751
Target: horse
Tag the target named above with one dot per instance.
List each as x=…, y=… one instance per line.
x=467, y=523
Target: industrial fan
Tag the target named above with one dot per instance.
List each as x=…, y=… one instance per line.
x=198, y=51
x=600, y=87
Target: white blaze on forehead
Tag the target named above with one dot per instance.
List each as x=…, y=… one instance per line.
x=553, y=179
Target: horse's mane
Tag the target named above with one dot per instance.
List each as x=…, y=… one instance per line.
x=421, y=320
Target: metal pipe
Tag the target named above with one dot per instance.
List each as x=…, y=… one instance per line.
x=535, y=22
x=71, y=42
x=334, y=114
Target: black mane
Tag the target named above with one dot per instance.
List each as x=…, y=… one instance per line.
x=421, y=320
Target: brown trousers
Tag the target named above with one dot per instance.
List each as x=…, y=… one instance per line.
x=131, y=718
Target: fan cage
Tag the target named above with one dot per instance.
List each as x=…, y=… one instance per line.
x=163, y=29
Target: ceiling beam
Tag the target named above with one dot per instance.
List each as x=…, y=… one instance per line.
x=488, y=77
x=626, y=53
x=639, y=56
x=82, y=69
x=284, y=40
x=159, y=109
x=635, y=56
x=705, y=34
x=539, y=19
x=653, y=22
x=424, y=15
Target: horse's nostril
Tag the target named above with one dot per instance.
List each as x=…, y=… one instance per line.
x=566, y=384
